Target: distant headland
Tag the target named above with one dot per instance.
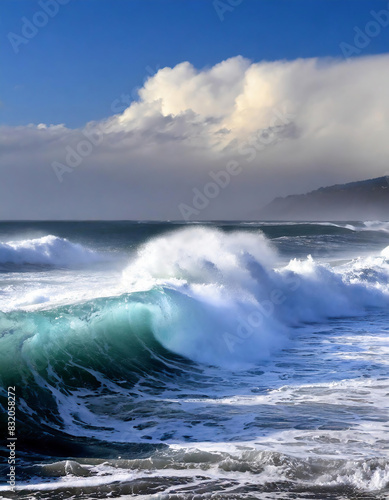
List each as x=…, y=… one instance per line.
x=362, y=200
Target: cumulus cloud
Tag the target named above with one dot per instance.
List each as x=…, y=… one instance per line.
x=286, y=126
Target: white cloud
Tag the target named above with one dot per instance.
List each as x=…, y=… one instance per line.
x=327, y=121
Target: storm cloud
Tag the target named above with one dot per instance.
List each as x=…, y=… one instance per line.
x=253, y=130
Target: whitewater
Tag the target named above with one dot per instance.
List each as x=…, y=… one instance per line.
x=178, y=361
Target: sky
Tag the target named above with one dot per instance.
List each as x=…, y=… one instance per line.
x=187, y=109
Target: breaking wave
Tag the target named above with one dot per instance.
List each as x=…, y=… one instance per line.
x=233, y=305
x=46, y=251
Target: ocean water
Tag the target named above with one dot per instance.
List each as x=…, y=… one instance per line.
x=199, y=361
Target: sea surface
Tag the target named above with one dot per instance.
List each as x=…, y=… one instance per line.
x=195, y=361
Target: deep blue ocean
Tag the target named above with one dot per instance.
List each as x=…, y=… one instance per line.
x=232, y=360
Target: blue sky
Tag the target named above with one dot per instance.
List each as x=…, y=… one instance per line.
x=93, y=51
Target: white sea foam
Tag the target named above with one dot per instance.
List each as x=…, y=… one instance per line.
x=47, y=251
x=385, y=253
x=229, y=302
x=377, y=225
x=202, y=470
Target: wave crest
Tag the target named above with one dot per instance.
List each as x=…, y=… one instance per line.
x=46, y=251
x=227, y=302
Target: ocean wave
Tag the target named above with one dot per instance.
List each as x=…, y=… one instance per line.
x=46, y=251
x=194, y=298
x=377, y=225
x=233, y=305
x=215, y=298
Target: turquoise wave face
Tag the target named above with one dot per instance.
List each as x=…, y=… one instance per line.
x=55, y=356
x=75, y=365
